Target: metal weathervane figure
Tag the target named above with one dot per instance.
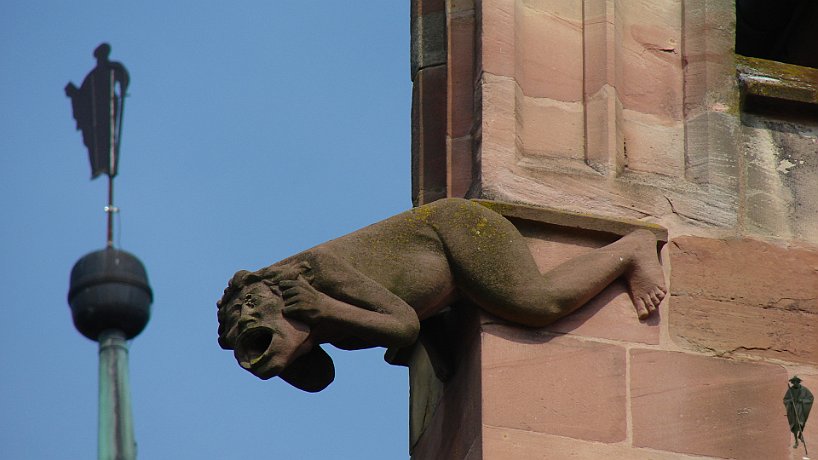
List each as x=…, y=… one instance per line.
x=798, y=401
x=98, y=106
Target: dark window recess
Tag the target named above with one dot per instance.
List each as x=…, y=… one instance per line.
x=776, y=109
x=778, y=30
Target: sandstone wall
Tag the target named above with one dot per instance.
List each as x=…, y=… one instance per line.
x=629, y=108
x=641, y=110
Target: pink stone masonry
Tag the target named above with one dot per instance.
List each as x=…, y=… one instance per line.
x=706, y=406
x=554, y=385
x=746, y=297
x=629, y=109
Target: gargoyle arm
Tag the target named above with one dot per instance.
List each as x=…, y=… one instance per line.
x=346, y=307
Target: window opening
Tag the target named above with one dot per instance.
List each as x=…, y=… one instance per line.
x=778, y=30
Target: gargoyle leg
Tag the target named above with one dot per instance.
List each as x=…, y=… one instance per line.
x=494, y=267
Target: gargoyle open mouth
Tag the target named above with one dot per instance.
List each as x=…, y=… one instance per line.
x=252, y=345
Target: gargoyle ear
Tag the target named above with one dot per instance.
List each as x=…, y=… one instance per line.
x=311, y=372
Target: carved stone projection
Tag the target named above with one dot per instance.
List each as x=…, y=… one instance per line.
x=374, y=286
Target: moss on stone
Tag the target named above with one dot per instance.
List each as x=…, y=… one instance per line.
x=777, y=80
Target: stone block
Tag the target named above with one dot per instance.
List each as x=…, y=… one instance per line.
x=461, y=74
x=429, y=135
x=650, y=86
x=651, y=144
x=553, y=68
x=711, y=96
x=600, y=129
x=724, y=300
x=599, y=90
x=424, y=7
x=509, y=444
x=540, y=119
x=460, y=6
x=428, y=34
x=497, y=40
x=497, y=131
x=708, y=406
x=460, y=164
x=712, y=151
x=649, y=77
x=768, y=202
x=729, y=270
x=553, y=385
x=781, y=171
x=598, y=46
x=729, y=328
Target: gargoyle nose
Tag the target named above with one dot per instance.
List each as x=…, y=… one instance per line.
x=248, y=316
x=246, y=320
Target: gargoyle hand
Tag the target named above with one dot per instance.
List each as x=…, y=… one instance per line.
x=302, y=301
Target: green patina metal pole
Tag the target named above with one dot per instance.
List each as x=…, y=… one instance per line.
x=116, y=438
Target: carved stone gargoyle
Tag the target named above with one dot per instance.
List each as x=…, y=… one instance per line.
x=373, y=287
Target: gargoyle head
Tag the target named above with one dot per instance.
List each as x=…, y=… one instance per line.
x=264, y=341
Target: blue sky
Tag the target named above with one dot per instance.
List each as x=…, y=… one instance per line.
x=253, y=130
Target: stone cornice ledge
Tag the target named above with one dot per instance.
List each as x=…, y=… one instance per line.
x=572, y=219
x=777, y=80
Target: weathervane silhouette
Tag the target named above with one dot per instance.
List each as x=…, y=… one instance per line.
x=98, y=106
